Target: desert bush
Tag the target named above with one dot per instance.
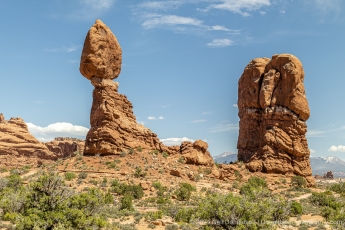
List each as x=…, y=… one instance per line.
x=136, y=191
x=154, y=215
x=70, y=176
x=298, y=181
x=229, y=212
x=254, y=187
x=82, y=175
x=165, y=154
x=47, y=202
x=181, y=160
x=126, y=202
x=171, y=227
x=184, y=191
x=14, y=182
x=296, y=208
x=139, y=172
x=160, y=188
x=338, y=188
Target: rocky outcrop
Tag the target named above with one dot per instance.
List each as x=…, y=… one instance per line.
x=64, y=147
x=113, y=124
x=273, y=110
x=196, y=153
x=328, y=175
x=16, y=140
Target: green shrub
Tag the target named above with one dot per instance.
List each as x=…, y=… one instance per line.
x=181, y=160
x=296, y=208
x=14, y=181
x=109, y=199
x=338, y=188
x=139, y=172
x=154, y=215
x=233, y=212
x=136, y=191
x=171, y=227
x=70, y=176
x=255, y=185
x=165, y=154
x=47, y=201
x=184, y=191
x=82, y=175
x=298, y=181
x=139, y=149
x=126, y=202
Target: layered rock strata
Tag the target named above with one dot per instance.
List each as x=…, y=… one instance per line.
x=273, y=111
x=64, y=147
x=16, y=140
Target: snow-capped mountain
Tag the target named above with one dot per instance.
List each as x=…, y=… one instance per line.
x=321, y=165
x=225, y=157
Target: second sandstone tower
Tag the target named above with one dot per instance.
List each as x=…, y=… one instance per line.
x=273, y=110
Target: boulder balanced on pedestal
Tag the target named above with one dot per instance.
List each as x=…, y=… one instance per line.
x=113, y=124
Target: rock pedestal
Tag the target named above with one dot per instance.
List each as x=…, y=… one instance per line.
x=273, y=110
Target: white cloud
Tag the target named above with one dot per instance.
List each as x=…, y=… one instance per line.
x=327, y=5
x=207, y=112
x=235, y=105
x=339, y=148
x=239, y=7
x=175, y=140
x=198, y=121
x=262, y=12
x=142, y=122
x=97, y=4
x=314, y=133
x=151, y=118
x=157, y=5
x=282, y=11
x=65, y=49
x=59, y=129
x=90, y=9
x=225, y=128
x=312, y=151
x=218, y=27
x=160, y=117
x=155, y=20
x=220, y=43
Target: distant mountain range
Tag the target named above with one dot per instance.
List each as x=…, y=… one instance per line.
x=319, y=165
x=225, y=157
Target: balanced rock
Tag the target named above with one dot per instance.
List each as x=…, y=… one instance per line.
x=273, y=110
x=102, y=55
x=16, y=140
x=64, y=147
x=113, y=124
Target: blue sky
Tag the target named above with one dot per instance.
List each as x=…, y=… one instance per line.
x=181, y=63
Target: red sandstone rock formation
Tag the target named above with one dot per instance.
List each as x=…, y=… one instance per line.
x=65, y=146
x=196, y=153
x=113, y=124
x=16, y=140
x=273, y=109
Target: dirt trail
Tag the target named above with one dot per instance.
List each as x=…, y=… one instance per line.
x=304, y=196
